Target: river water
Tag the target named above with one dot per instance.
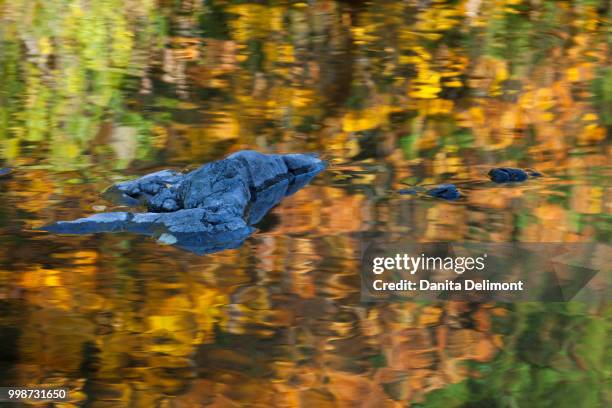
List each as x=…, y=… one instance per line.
x=393, y=94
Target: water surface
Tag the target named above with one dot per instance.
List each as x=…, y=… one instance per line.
x=392, y=94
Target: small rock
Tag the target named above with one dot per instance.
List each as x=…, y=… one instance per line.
x=99, y=208
x=507, y=175
x=5, y=171
x=407, y=191
x=445, y=191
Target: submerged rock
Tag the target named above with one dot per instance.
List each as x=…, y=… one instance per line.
x=535, y=173
x=206, y=210
x=507, y=175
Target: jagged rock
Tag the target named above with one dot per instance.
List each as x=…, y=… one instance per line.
x=206, y=210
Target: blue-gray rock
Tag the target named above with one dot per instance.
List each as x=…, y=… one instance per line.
x=206, y=210
x=507, y=175
x=4, y=171
x=445, y=191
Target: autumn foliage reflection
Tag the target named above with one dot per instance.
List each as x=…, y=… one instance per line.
x=392, y=94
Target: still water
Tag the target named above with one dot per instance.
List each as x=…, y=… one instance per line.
x=392, y=94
